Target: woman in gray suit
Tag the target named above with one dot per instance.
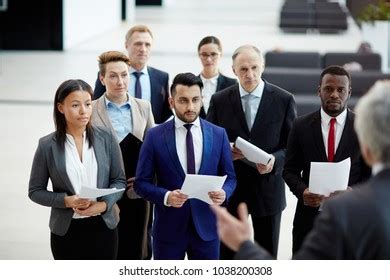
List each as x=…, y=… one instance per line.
x=124, y=114
x=77, y=155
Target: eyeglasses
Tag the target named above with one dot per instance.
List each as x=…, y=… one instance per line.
x=213, y=55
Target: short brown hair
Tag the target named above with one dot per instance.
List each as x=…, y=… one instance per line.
x=111, y=56
x=138, y=28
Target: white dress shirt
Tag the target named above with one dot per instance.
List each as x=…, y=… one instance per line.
x=80, y=173
x=209, y=88
x=181, y=149
x=339, y=127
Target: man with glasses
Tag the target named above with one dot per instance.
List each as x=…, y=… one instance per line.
x=146, y=82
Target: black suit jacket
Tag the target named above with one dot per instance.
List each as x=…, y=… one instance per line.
x=306, y=145
x=353, y=225
x=222, y=83
x=264, y=194
x=159, y=93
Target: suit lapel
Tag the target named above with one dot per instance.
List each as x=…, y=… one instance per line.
x=235, y=101
x=220, y=82
x=344, y=143
x=170, y=141
x=207, y=145
x=98, y=147
x=264, y=107
x=317, y=135
x=136, y=118
x=154, y=91
x=59, y=160
x=102, y=112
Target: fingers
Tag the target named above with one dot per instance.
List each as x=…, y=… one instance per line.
x=130, y=182
x=218, y=197
x=242, y=212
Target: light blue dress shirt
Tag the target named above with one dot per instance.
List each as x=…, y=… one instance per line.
x=144, y=81
x=254, y=101
x=120, y=117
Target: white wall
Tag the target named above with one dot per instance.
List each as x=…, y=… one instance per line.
x=86, y=19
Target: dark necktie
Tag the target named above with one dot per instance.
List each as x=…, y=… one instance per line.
x=190, y=150
x=331, y=140
x=138, y=89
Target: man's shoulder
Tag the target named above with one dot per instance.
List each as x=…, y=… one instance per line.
x=226, y=91
x=281, y=92
x=157, y=72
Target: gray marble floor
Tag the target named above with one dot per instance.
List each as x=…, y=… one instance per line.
x=28, y=81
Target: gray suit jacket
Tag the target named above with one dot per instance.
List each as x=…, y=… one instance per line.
x=49, y=163
x=141, y=114
x=353, y=225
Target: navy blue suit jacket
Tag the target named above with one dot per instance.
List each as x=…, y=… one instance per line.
x=158, y=158
x=159, y=93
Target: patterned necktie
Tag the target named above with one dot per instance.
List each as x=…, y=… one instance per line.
x=190, y=150
x=138, y=89
x=331, y=140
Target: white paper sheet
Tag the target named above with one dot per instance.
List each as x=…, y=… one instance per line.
x=327, y=177
x=252, y=153
x=198, y=186
x=93, y=193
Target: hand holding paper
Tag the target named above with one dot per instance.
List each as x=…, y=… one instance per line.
x=251, y=152
x=327, y=177
x=199, y=186
x=93, y=193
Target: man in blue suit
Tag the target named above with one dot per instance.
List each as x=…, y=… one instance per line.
x=183, y=225
x=146, y=82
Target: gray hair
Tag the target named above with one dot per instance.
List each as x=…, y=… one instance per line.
x=245, y=48
x=373, y=119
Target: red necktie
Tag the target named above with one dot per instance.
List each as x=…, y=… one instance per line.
x=331, y=139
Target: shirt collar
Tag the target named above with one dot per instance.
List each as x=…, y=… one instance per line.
x=377, y=167
x=340, y=119
x=107, y=101
x=212, y=80
x=258, y=91
x=179, y=123
x=143, y=70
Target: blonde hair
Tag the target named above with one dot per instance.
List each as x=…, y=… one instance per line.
x=137, y=28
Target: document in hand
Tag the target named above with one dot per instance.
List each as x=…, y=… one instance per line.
x=251, y=152
x=130, y=147
x=93, y=193
x=327, y=177
x=198, y=186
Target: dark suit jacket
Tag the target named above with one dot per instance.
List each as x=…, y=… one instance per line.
x=264, y=194
x=353, y=225
x=49, y=163
x=159, y=157
x=159, y=93
x=222, y=83
x=306, y=145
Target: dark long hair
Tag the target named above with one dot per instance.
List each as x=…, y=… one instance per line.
x=62, y=92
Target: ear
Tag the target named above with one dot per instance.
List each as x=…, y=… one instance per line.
x=319, y=91
x=101, y=79
x=234, y=71
x=367, y=154
x=60, y=108
x=171, y=102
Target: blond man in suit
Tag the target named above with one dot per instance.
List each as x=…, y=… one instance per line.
x=125, y=114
